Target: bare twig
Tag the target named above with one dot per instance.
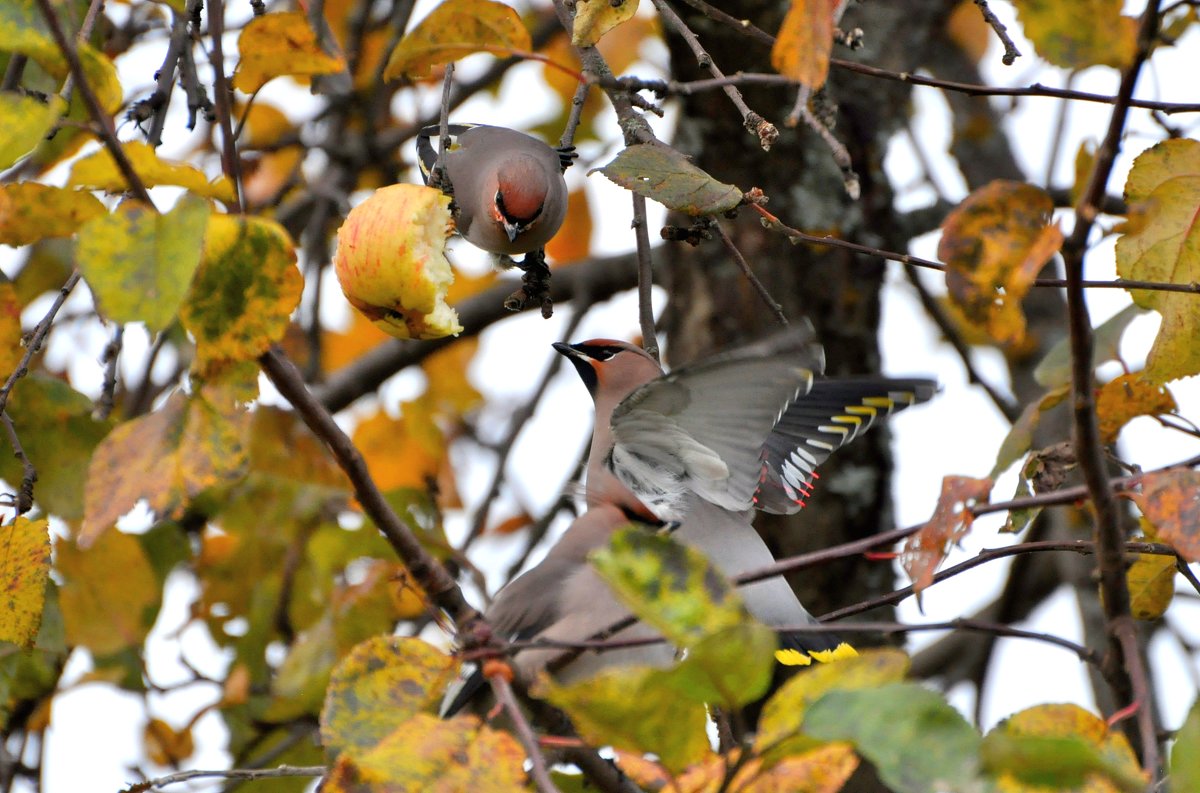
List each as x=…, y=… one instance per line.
x=111, y=357
x=758, y=285
x=229, y=773
x=952, y=335
x=1126, y=672
x=1011, y=53
x=538, y=771
x=755, y=124
x=230, y=164
x=520, y=419
x=165, y=84
x=432, y=577
x=108, y=133
x=645, y=277
x=24, y=501
x=36, y=338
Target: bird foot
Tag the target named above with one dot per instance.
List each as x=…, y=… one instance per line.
x=535, y=285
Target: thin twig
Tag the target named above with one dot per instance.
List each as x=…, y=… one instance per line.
x=952, y=335
x=165, y=85
x=111, y=358
x=692, y=87
x=1128, y=676
x=755, y=124
x=775, y=224
x=758, y=285
x=645, y=277
x=36, y=338
x=428, y=572
x=230, y=164
x=520, y=420
x=229, y=773
x=1011, y=53
x=538, y=771
x=24, y=501
x=107, y=132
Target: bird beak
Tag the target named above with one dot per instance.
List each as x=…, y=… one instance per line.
x=582, y=363
x=512, y=230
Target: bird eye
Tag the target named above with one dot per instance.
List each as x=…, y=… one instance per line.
x=603, y=354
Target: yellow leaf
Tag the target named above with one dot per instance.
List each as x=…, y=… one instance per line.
x=804, y=42
x=166, y=457
x=273, y=45
x=99, y=171
x=1151, y=580
x=139, y=263
x=431, y=754
x=378, y=686
x=1162, y=243
x=456, y=29
x=1079, y=33
x=245, y=290
x=24, y=122
x=449, y=389
x=109, y=594
x=994, y=243
x=594, y=18
x=30, y=212
x=24, y=570
x=165, y=745
x=339, y=348
x=574, y=239
x=1124, y=398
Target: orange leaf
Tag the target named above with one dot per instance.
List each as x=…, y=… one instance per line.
x=951, y=521
x=994, y=243
x=574, y=240
x=399, y=452
x=512, y=525
x=805, y=40
x=1171, y=501
x=1124, y=398
x=165, y=745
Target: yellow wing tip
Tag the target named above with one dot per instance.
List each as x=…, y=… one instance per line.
x=791, y=657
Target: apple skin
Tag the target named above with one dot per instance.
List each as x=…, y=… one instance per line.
x=391, y=261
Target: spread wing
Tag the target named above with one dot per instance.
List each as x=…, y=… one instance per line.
x=832, y=414
x=702, y=428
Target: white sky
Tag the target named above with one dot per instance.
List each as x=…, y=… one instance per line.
x=96, y=732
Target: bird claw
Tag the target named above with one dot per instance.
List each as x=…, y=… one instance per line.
x=566, y=156
x=535, y=285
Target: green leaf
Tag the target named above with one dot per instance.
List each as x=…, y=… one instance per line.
x=917, y=741
x=1185, y=754
x=24, y=122
x=665, y=175
x=1054, y=371
x=244, y=292
x=638, y=709
x=669, y=586
x=377, y=687
x=731, y=667
x=139, y=263
x=1162, y=243
x=783, y=715
x=59, y=435
x=24, y=571
x=1020, y=436
x=1062, y=747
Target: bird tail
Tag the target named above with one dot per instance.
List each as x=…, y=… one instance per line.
x=427, y=147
